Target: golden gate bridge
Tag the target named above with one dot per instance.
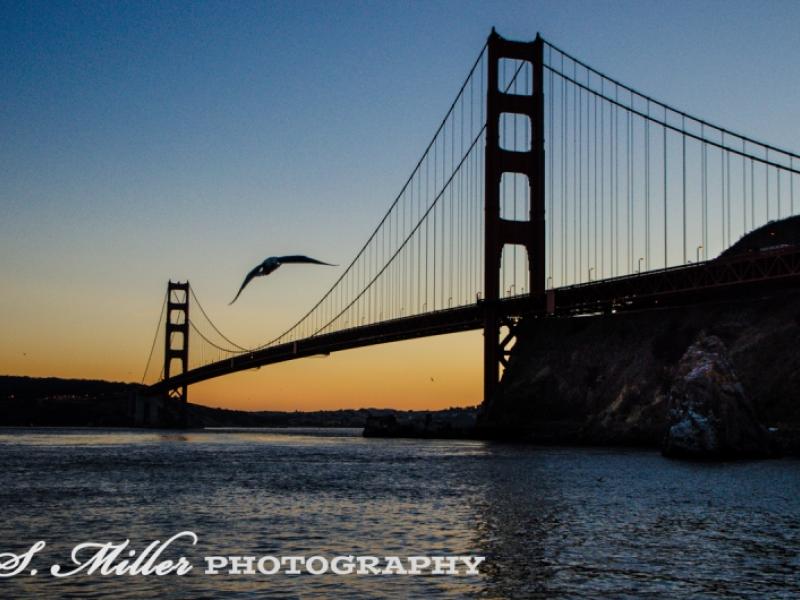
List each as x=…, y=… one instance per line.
x=549, y=190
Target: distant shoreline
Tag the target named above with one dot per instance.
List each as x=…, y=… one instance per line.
x=56, y=402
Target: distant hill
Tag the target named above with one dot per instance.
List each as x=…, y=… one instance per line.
x=54, y=402
x=772, y=236
x=51, y=401
x=16, y=387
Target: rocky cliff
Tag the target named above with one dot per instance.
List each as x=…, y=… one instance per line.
x=608, y=379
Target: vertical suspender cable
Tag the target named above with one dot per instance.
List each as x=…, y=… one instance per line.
x=703, y=190
x=666, y=156
x=647, y=189
x=602, y=180
x=574, y=278
x=683, y=142
x=766, y=179
x=595, y=199
x=744, y=190
x=579, y=233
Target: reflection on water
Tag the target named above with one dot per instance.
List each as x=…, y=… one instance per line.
x=552, y=522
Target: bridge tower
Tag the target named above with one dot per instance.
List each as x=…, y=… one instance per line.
x=529, y=233
x=176, y=342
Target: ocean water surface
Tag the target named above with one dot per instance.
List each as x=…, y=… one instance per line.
x=551, y=522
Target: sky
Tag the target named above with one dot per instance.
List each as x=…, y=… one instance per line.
x=147, y=141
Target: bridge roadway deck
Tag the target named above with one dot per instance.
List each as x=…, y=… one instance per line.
x=687, y=284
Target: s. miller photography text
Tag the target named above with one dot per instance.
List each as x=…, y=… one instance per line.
x=164, y=558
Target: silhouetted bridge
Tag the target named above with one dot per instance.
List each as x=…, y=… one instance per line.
x=548, y=189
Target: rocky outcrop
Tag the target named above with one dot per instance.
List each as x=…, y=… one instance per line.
x=632, y=418
x=607, y=379
x=709, y=414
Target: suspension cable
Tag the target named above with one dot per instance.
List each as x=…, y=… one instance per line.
x=665, y=124
x=425, y=156
x=394, y=203
x=410, y=235
x=222, y=335
x=667, y=106
x=214, y=344
x=155, y=338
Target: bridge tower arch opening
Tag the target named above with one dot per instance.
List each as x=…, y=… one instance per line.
x=499, y=327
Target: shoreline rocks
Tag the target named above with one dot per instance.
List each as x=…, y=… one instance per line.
x=710, y=416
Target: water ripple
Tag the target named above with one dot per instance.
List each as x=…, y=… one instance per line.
x=553, y=523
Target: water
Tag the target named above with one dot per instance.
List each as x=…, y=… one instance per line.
x=554, y=523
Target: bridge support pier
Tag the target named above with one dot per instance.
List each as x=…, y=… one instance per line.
x=176, y=342
x=529, y=233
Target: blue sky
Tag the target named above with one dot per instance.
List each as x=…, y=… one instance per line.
x=149, y=140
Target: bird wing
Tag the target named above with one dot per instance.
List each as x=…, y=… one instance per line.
x=296, y=258
x=247, y=280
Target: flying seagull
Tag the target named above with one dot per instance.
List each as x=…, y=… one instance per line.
x=272, y=263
